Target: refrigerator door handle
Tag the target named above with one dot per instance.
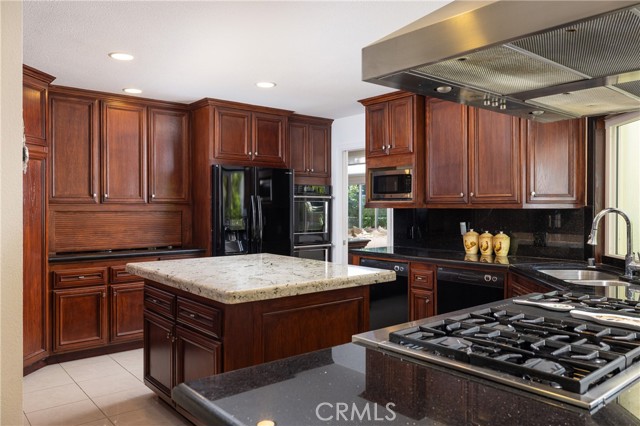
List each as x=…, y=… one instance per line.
x=260, y=223
x=253, y=218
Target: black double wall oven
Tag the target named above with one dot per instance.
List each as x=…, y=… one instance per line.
x=312, y=222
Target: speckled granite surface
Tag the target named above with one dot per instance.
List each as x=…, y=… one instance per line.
x=353, y=385
x=252, y=277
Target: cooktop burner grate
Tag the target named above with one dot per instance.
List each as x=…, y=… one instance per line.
x=560, y=352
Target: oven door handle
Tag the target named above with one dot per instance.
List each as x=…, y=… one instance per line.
x=312, y=197
x=312, y=246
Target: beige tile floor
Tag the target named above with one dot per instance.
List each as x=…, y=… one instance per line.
x=105, y=390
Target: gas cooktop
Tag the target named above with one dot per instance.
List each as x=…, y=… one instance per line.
x=542, y=350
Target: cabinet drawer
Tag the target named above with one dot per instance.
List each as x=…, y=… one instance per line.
x=119, y=274
x=204, y=318
x=79, y=277
x=422, y=279
x=159, y=301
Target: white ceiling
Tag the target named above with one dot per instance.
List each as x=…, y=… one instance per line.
x=185, y=51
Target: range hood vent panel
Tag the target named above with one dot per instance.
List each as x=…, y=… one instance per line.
x=596, y=48
x=589, y=102
x=551, y=60
x=500, y=70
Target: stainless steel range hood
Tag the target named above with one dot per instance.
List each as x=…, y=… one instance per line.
x=548, y=60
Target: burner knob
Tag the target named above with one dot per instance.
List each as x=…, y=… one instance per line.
x=487, y=277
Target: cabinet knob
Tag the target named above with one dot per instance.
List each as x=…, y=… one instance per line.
x=192, y=315
x=250, y=154
x=426, y=301
x=168, y=335
x=106, y=195
x=255, y=153
x=153, y=195
x=471, y=194
x=533, y=194
x=94, y=195
x=462, y=194
x=104, y=294
x=312, y=170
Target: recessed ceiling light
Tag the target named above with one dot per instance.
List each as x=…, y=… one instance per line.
x=120, y=56
x=132, y=91
x=265, y=84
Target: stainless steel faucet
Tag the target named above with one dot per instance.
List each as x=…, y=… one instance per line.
x=630, y=264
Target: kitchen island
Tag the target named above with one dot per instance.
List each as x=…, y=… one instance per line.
x=217, y=314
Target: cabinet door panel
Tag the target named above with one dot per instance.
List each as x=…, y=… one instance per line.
x=297, y=141
x=158, y=353
x=555, y=162
x=269, y=139
x=126, y=312
x=401, y=126
x=80, y=318
x=124, y=153
x=495, y=161
x=34, y=111
x=168, y=156
x=447, y=153
x=232, y=134
x=377, y=123
x=74, y=149
x=196, y=356
x=319, y=151
x=421, y=304
x=34, y=300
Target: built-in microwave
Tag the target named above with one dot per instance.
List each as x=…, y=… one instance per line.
x=391, y=183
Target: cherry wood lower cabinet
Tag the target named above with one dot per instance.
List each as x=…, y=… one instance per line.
x=188, y=337
x=80, y=318
x=125, y=301
x=519, y=286
x=422, y=290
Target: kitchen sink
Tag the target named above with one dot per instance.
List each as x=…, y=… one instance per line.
x=599, y=283
x=579, y=275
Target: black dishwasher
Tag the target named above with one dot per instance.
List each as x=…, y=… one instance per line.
x=388, y=302
x=464, y=288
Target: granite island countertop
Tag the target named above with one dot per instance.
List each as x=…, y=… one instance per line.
x=254, y=277
x=353, y=385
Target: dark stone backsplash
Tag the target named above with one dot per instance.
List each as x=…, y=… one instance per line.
x=541, y=233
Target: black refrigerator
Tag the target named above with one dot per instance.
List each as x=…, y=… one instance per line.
x=252, y=210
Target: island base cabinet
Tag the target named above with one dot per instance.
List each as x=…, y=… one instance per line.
x=80, y=320
x=196, y=356
x=158, y=354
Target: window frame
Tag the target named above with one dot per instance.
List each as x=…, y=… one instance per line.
x=610, y=185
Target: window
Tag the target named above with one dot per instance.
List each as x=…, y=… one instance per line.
x=622, y=182
x=365, y=223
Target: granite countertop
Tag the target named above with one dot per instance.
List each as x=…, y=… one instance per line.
x=253, y=277
x=122, y=254
x=447, y=256
x=314, y=388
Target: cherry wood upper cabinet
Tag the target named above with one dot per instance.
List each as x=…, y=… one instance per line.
x=447, y=156
x=250, y=138
x=74, y=148
x=473, y=157
x=124, y=145
x=555, y=164
x=494, y=158
x=34, y=104
x=233, y=134
x=269, y=142
x=390, y=126
x=168, y=156
x=310, y=142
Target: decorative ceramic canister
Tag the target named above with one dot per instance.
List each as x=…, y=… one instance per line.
x=501, y=244
x=470, y=240
x=485, y=242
